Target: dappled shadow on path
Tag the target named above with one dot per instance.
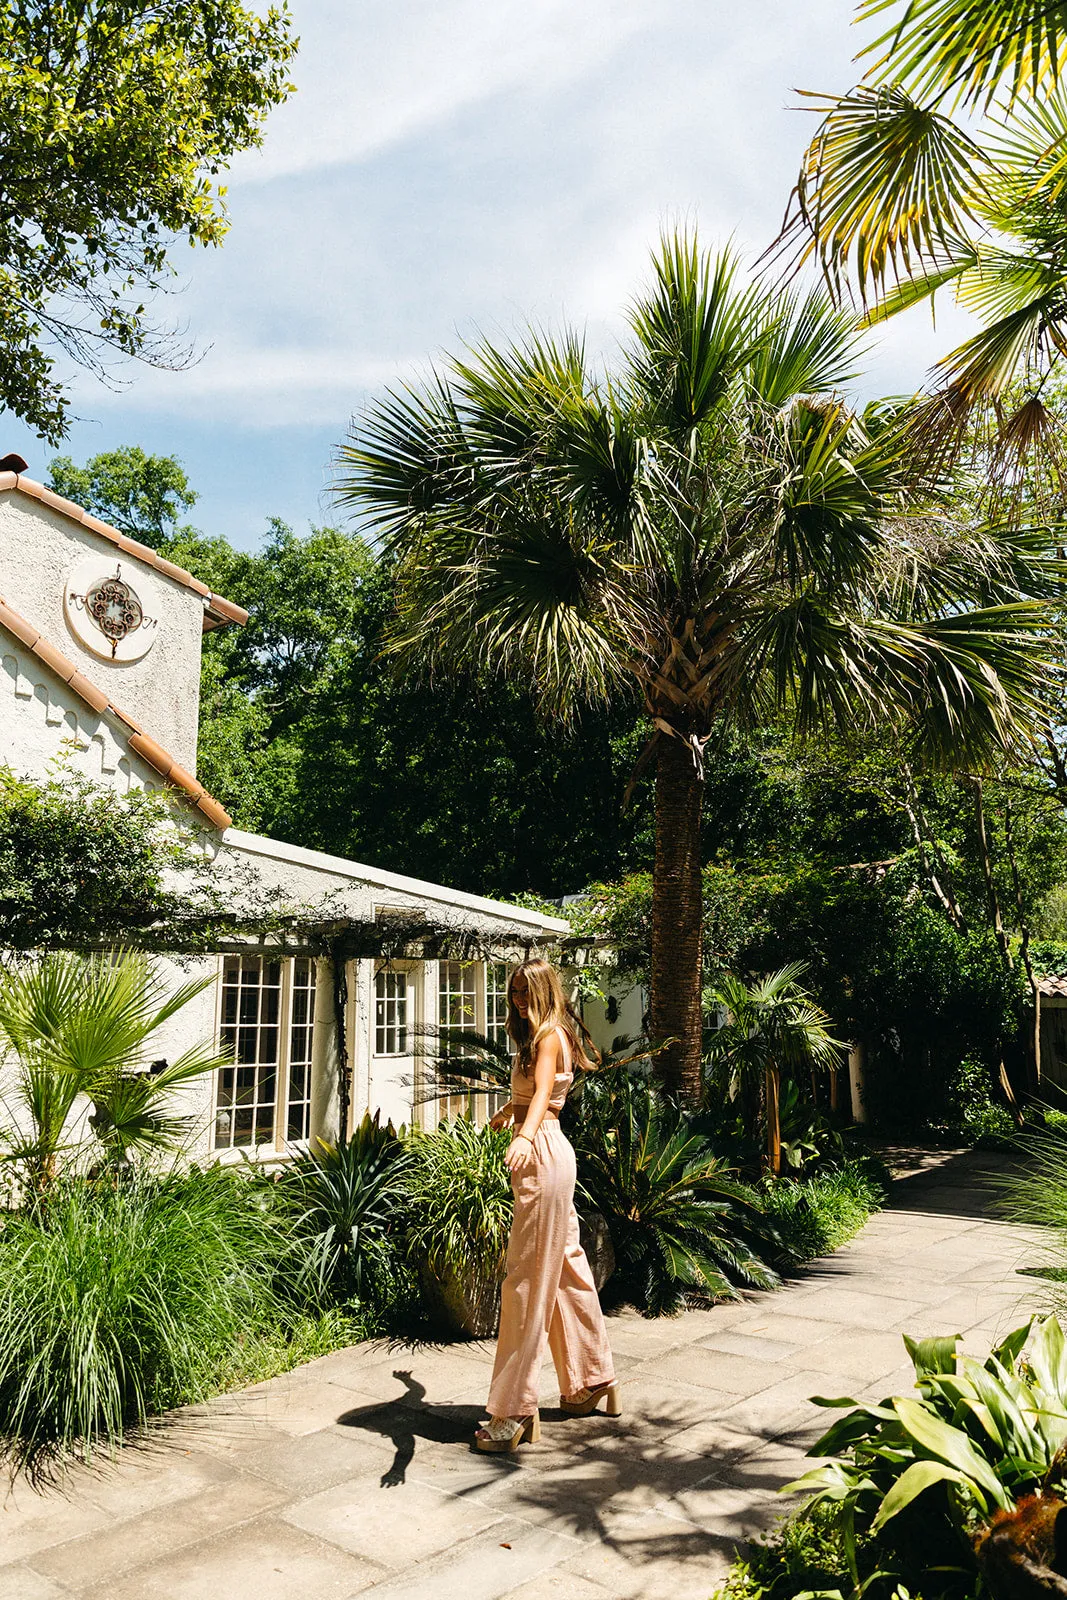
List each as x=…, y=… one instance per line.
x=618, y=1486
x=958, y=1183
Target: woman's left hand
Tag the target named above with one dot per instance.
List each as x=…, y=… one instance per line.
x=518, y=1153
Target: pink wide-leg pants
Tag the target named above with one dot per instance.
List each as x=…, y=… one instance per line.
x=548, y=1294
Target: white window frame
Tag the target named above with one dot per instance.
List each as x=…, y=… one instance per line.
x=483, y=1106
x=278, y=1140
x=402, y=1030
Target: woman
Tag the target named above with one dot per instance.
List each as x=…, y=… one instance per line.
x=548, y=1294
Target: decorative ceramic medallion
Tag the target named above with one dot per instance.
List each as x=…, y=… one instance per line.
x=107, y=609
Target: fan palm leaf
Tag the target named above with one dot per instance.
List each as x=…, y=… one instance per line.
x=705, y=523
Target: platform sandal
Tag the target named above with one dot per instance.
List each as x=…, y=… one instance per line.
x=501, y=1435
x=591, y=1398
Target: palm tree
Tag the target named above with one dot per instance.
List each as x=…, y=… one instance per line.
x=78, y=1025
x=772, y=1026
x=945, y=169
x=710, y=526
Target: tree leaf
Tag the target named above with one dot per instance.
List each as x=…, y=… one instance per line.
x=912, y=1483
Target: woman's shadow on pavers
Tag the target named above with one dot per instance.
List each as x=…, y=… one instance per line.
x=408, y=1418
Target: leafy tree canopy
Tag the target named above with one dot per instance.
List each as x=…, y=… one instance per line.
x=141, y=495
x=115, y=122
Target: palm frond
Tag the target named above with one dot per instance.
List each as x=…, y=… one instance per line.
x=696, y=328
x=808, y=346
x=887, y=188
x=973, y=49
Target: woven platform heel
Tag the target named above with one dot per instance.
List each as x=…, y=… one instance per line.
x=608, y=1392
x=501, y=1436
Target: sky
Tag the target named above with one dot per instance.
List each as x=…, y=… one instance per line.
x=445, y=170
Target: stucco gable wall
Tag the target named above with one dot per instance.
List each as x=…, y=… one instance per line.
x=38, y=549
x=43, y=723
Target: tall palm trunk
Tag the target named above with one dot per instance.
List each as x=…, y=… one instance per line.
x=676, y=920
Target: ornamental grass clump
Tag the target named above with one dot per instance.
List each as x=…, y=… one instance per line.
x=120, y=1300
x=459, y=1195
x=459, y=1206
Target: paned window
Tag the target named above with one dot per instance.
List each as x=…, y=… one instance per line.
x=391, y=1013
x=301, y=1041
x=457, y=1007
x=496, y=1016
x=266, y=1022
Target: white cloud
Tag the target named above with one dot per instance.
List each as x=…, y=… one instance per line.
x=450, y=168
x=371, y=75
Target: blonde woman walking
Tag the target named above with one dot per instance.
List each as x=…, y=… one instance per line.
x=548, y=1295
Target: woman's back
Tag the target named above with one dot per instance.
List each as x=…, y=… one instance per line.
x=522, y=1085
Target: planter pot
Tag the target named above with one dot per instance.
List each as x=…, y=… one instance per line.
x=471, y=1306
x=596, y=1242
x=467, y=1306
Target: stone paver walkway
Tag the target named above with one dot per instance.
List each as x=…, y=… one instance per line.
x=353, y=1475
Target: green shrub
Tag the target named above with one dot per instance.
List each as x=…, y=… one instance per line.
x=119, y=1301
x=804, y=1556
x=680, y=1223
x=342, y=1205
x=819, y=1214
x=459, y=1199
x=919, y=1478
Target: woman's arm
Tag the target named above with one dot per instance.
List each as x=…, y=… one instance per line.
x=544, y=1075
x=504, y=1115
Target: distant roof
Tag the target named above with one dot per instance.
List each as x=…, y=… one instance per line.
x=97, y=701
x=217, y=611
x=1053, y=986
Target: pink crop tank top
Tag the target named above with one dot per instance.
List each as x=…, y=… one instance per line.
x=522, y=1086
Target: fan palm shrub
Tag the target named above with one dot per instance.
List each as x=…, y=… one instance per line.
x=709, y=532
x=83, y=1025
x=773, y=1026
x=680, y=1223
x=343, y=1204
x=118, y=1301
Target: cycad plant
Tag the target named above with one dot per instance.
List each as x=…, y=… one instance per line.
x=82, y=1025
x=679, y=1222
x=773, y=1027
x=711, y=526
x=944, y=170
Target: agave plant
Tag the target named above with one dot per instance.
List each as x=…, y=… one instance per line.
x=345, y=1199
x=979, y=1437
x=678, y=1220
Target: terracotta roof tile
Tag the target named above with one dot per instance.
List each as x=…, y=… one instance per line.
x=217, y=611
x=148, y=749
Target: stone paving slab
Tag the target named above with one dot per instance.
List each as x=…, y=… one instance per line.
x=354, y=1475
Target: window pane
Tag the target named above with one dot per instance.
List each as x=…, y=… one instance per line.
x=457, y=1007
x=301, y=1041
x=390, y=1013
x=247, y=1093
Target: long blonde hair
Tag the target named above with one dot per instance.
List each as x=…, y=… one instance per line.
x=548, y=1009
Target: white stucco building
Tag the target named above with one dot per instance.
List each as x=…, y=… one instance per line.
x=100, y=644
